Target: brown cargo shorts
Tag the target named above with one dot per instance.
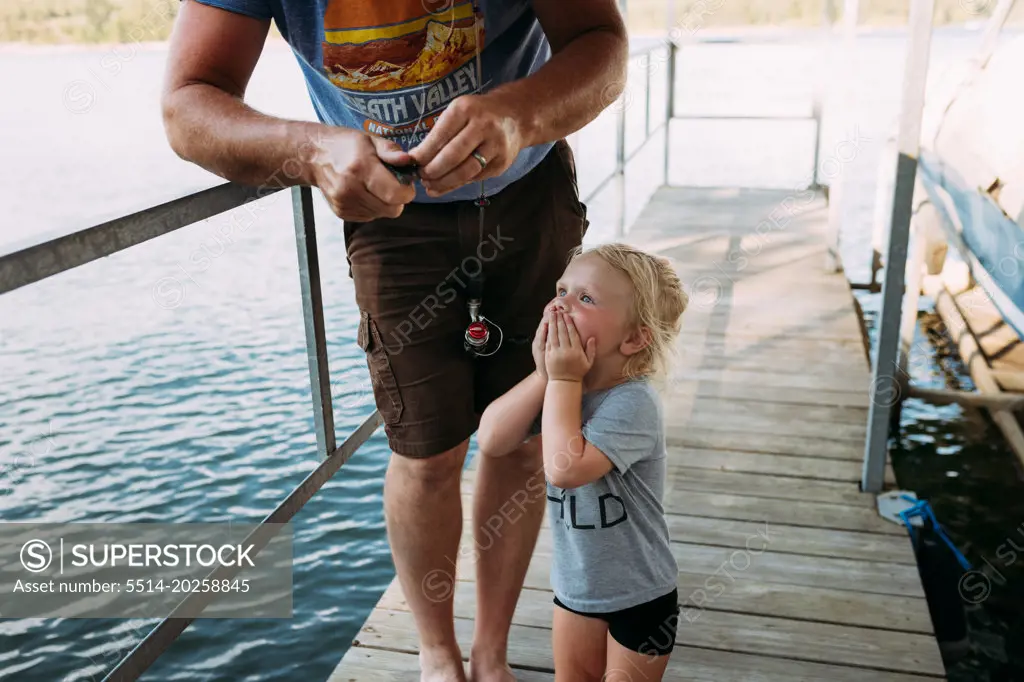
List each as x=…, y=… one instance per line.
x=410, y=274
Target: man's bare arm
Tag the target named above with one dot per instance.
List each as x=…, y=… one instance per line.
x=212, y=56
x=586, y=72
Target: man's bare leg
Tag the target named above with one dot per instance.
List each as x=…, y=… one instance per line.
x=508, y=507
x=423, y=511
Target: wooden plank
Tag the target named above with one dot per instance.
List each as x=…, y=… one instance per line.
x=783, y=260
x=798, y=602
x=697, y=351
x=758, y=297
x=793, y=539
x=841, y=544
x=798, y=466
x=845, y=371
x=751, y=307
x=810, y=382
x=760, y=410
x=775, y=444
x=704, y=242
x=997, y=339
x=776, y=266
x=395, y=630
x=365, y=664
x=737, y=341
x=727, y=566
x=762, y=463
x=780, y=512
x=822, y=642
x=1009, y=379
x=655, y=231
x=840, y=607
x=763, y=510
x=690, y=664
x=813, y=334
x=760, y=355
x=805, y=641
x=755, y=310
x=757, y=360
x=677, y=416
x=759, y=313
x=767, y=285
x=722, y=567
x=787, y=396
x=763, y=485
x=712, y=209
x=977, y=364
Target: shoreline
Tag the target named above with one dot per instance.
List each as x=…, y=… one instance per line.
x=273, y=39
x=755, y=32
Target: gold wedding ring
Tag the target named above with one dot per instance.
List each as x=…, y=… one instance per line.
x=480, y=157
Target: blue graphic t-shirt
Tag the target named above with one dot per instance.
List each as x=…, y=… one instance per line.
x=391, y=67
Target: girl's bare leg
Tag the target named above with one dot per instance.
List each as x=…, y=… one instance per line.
x=578, y=643
x=626, y=665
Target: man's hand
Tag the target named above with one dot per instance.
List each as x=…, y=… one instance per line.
x=212, y=56
x=347, y=168
x=540, y=340
x=471, y=123
x=565, y=355
x=586, y=73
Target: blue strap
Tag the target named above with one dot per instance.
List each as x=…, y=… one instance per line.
x=923, y=509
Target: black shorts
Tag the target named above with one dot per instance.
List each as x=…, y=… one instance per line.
x=648, y=628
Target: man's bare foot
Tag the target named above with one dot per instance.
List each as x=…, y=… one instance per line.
x=485, y=668
x=441, y=665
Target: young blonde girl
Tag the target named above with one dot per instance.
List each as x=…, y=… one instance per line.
x=605, y=339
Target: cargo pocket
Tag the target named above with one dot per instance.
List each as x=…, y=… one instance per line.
x=385, y=387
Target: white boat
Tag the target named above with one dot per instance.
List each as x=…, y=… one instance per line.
x=971, y=167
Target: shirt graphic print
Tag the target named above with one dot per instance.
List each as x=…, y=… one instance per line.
x=399, y=64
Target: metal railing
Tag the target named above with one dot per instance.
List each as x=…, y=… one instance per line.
x=622, y=158
x=52, y=257
x=37, y=262
x=653, y=127
x=815, y=116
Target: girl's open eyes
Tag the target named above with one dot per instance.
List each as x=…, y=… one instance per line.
x=585, y=297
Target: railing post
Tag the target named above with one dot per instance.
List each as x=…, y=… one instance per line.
x=816, y=107
x=884, y=387
x=834, y=190
x=670, y=104
x=647, y=98
x=620, y=166
x=313, y=314
x=620, y=140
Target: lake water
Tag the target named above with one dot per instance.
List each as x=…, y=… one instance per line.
x=169, y=382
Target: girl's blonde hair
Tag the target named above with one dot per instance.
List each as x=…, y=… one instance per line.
x=658, y=304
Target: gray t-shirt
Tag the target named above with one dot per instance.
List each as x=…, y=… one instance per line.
x=611, y=541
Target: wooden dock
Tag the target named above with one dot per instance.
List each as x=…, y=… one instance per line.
x=786, y=571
